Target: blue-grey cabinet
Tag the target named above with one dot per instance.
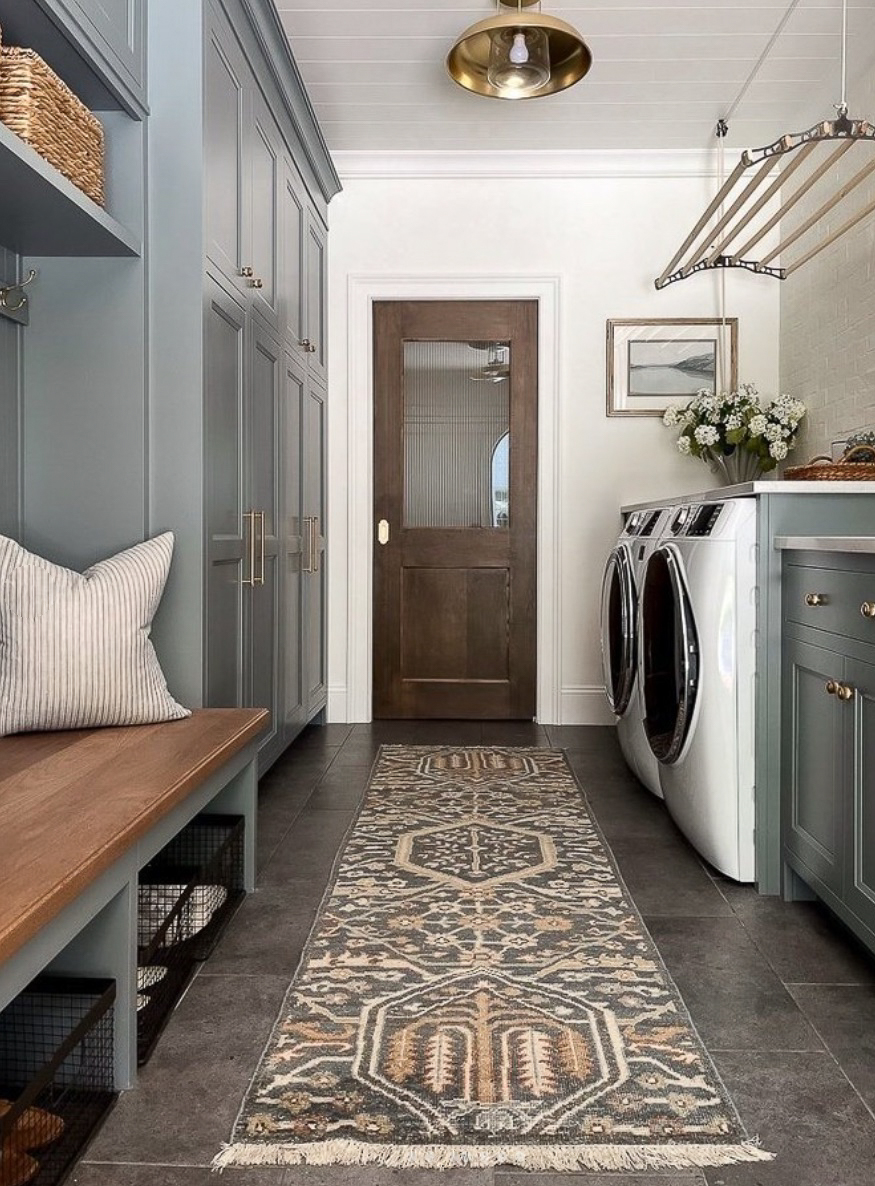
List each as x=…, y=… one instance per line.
x=828, y=805
x=118, y=29
x=243, y=231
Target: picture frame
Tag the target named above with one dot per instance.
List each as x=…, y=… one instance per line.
x=654, y=362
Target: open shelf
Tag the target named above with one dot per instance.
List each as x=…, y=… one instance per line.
x=28, y=23
x=42, y=213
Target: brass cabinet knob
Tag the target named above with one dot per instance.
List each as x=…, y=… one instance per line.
x=832, y=687
x=256, y=283
x=845, y=692
x=815, y=599
x=247, y=272
x=307, y=345
x=867, y=609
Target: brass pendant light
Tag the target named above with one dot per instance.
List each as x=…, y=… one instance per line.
x=518, y=55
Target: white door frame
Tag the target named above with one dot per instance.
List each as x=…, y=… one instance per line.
x=362, y=292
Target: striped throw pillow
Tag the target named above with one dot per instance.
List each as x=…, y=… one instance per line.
x=74, y=647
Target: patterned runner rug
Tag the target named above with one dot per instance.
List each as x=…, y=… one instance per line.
x=480, y=990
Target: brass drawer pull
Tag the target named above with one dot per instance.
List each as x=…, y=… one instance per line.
x=867, y=609
x=815, y=599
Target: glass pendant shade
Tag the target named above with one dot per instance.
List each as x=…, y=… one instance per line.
x=519, y=55
x=519, y=61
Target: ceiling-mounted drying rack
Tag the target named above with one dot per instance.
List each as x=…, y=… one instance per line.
x=708, y=246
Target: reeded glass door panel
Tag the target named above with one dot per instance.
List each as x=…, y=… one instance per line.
x=456, y=434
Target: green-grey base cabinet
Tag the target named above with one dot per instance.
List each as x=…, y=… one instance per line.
x=828, y=735
x=240, y=185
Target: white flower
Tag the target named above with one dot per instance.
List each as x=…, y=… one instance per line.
x=733, y=421
x=683, y=444
x=705, y=434
x=778, y=450
x=772, y=432
x=671, y=416
x=757, y=425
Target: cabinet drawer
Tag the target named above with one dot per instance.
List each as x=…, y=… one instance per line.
x=830, y=599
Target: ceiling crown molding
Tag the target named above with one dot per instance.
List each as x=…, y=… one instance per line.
x=532, y=164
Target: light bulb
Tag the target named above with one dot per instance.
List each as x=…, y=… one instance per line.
x=519, y=61
x=519, y=55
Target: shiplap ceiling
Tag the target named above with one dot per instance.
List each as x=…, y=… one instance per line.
x=661, y=77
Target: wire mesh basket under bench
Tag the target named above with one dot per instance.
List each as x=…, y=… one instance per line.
x=56, y=1076
x=187, y=895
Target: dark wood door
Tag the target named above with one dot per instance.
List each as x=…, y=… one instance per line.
x=455, y=462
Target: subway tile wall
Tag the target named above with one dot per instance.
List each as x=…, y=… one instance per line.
x=828, y=305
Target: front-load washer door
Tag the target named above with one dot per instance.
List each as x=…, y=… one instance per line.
x=619, y=630
x=669, y=655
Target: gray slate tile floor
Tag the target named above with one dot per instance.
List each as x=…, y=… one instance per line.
x=783, y=997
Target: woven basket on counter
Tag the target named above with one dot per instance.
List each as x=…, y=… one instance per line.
x=37, y=106
x=855, y=466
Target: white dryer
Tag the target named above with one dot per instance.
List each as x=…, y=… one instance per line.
x=619, y=634
x=697, y=664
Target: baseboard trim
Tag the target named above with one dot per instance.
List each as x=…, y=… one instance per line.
x=584, y=705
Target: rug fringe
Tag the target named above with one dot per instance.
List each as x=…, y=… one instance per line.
x=529, y=1157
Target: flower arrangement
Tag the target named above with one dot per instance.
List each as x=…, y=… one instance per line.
x=714, y=427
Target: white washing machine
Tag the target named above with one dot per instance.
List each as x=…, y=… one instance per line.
x=619, y=633
x=697, y=668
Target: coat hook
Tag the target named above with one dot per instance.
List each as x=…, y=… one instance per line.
x=5, y=290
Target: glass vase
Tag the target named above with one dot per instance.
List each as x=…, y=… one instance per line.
x=739, y=466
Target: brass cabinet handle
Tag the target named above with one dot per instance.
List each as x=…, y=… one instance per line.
x=249, y=519
x=259, y=580
x=247, y=272
x=867, y=609
x=315, y=529
x=307, y=346
x=832, y=687
x=307, y=545
x=815, y=599
x=845, y=692
x=256, y=282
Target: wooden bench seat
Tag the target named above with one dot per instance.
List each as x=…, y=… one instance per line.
x=80, y=813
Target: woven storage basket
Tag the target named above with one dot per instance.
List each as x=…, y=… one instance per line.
x=848, y=469
x=37, y=106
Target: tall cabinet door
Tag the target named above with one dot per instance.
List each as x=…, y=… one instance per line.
x=859, y=716
x=292, y=543
x=316, y=295
x=265, y=170
x=314, y=600
x=225, y=339
x=227, y=78
x=813, y=762
x=294, y=224
x=264, y=482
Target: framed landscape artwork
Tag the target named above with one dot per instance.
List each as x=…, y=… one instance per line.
x=653, y=363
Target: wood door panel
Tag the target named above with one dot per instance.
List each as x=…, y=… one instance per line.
x=455, y=606
x=455, y=624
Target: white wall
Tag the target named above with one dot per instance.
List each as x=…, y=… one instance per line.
x=604, y=239
x=828, y=306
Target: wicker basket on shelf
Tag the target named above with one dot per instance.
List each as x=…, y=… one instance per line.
x=37, y=106
x=856, y=465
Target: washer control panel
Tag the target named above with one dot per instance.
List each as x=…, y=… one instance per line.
x=695, y=519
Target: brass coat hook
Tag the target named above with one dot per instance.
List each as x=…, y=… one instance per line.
x=5, y=290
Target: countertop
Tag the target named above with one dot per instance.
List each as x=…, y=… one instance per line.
x=825, y=543
x=755, y=490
